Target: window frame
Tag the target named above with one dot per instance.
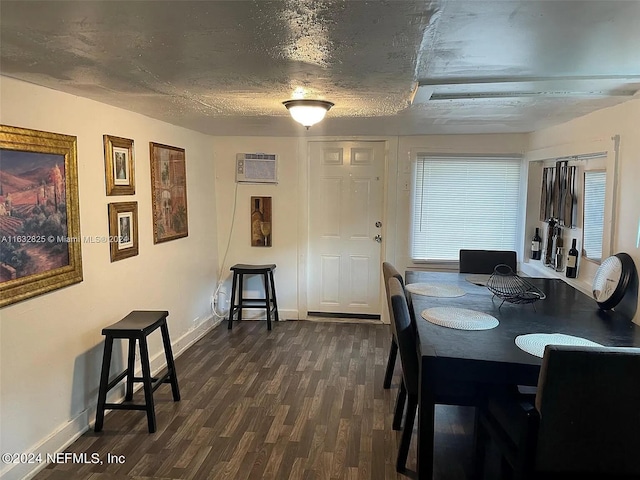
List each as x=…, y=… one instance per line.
x=608, y=148
x=595, y=169
x=442, y=264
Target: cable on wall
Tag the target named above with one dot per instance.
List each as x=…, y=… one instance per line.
x=214, y=299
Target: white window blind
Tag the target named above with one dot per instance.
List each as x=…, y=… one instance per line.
x=594, y=188
x=464, y=203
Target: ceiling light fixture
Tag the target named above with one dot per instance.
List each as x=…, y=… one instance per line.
x=307, y=112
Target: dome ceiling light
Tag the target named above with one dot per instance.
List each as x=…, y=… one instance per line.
x=307, y=112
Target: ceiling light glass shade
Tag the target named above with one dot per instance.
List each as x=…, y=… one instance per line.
x=307, y=112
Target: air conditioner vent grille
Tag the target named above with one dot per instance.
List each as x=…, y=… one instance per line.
x=256, y=168
x=259, y=156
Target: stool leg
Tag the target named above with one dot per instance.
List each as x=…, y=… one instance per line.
x=240, y=295
x=170, y=363
x=147, y=383
x=273, y=296
x=267, y=302
x=232, y=306
x=131, y=364
x=104, y=381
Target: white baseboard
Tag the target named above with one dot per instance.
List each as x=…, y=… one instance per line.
x=68, y=433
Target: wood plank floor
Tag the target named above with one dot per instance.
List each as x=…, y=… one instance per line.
x=304, y=401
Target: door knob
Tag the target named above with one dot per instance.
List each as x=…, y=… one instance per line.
x=378, y=238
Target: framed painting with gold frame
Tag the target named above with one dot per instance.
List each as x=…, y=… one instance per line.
x=40, y=244
x=119, y=165
x=123, y=230
x=168, y=192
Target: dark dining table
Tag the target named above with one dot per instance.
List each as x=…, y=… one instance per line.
x=490, y=358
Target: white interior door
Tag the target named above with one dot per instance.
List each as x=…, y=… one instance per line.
x=345, y=227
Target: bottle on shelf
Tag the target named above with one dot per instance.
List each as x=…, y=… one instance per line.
x=558, y=261
x=536, y=246
x=550, y=243
x=572, y=261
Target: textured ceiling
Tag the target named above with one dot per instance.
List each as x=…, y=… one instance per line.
x=225, y=68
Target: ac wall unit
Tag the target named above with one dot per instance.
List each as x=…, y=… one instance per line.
x=256, y=168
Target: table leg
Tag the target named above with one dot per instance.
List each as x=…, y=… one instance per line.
x=426, y=421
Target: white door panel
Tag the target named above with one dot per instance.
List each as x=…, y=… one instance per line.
x=345, y=202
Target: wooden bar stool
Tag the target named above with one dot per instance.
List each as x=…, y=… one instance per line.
x=269, y=303
x=136, y=327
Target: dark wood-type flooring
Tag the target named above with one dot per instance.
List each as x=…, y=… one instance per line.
x=304, y=401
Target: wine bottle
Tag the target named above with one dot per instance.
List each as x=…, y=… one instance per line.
x=572, y=260
x=536, y=242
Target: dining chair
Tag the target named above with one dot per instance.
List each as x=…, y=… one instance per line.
x=450, y=394
x=484, y=261
x=388, y=271
x=584, y=423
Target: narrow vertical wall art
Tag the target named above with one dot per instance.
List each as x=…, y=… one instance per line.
x=261, y=226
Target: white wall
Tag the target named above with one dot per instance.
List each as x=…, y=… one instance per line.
x=600, y=126
x=289, y=222
x=284, y=224
x=51, y=345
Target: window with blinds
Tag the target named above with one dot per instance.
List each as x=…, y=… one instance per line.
x=593, y=222
x=464, y=203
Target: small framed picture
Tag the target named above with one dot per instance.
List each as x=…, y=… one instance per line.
x=123, y=230
x=119, y=165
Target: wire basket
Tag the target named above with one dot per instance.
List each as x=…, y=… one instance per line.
x=509, y=287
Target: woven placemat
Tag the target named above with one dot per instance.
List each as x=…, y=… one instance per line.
x=534, y=343
x=460, y=318
x=480, y=279
x=435, y=290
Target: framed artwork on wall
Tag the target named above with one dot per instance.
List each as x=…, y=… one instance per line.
x=40, y=244
x=123, y=230
x=168, y=192
x=261, y=226
x=119, y=165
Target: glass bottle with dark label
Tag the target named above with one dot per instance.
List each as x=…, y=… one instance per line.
x=536, y=246
x=572, y=261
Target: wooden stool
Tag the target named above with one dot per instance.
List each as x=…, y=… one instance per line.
x=269, y=303
x=136, y=327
